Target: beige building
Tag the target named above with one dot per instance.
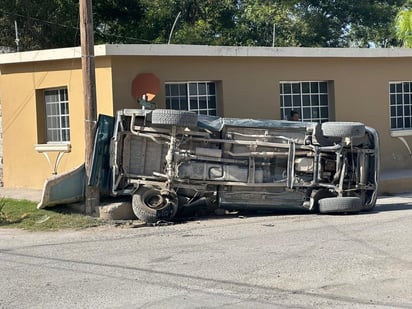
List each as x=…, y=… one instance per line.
x=41, y=96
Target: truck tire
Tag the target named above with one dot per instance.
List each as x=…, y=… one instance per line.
x=174, y=117
x=343, y=129
x=340, y=205
x=150, y=205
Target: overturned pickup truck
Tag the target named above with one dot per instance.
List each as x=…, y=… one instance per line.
x=169, y=159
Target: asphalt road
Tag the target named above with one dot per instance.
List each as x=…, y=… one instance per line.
x=275, y=261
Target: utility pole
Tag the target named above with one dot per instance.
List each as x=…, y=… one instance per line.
x=92, y=194
x=17, y=40
x=173, y=27
x=274, y=35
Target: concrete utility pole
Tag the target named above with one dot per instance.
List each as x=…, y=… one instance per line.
x=173, y=27
x=17, y=40
x=274, y=35
x=92, y=194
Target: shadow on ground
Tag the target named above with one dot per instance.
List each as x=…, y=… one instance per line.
x=392, y=207
x=207, y=214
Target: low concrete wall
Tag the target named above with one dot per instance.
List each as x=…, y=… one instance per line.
x=397, y=181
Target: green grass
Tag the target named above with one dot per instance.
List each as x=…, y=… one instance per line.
x=24, y=215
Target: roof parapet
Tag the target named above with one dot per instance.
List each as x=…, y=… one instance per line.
x=172, y=50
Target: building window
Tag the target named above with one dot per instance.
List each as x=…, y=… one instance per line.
x=57, y=115
x=310, y=99
x=199, y=97
x=400, y=100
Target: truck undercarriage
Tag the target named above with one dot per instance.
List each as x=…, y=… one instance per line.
x=169, y=159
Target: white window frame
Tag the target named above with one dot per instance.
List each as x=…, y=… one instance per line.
x=191, y=97
x=310, y=101
x=56, y=106
x=400, y=108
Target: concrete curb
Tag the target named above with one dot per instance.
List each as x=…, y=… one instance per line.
x=33, y=195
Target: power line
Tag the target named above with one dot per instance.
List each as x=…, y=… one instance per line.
x=39, y=20
x=98, y=33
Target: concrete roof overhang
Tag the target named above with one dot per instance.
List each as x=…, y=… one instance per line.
x=173, y=50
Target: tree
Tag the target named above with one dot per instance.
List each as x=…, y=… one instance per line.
x=373, y=23
x=346, y=23
x=316, y=23
x=256, y=20
x=118, y=21
x=403, y=26
x=41, y=23
x=207, y=22
x=310, y=23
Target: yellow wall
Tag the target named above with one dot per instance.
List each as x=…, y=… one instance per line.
x=23, y=166
x=249, y=87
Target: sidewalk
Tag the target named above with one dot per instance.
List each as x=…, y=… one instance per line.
x=21, y=194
